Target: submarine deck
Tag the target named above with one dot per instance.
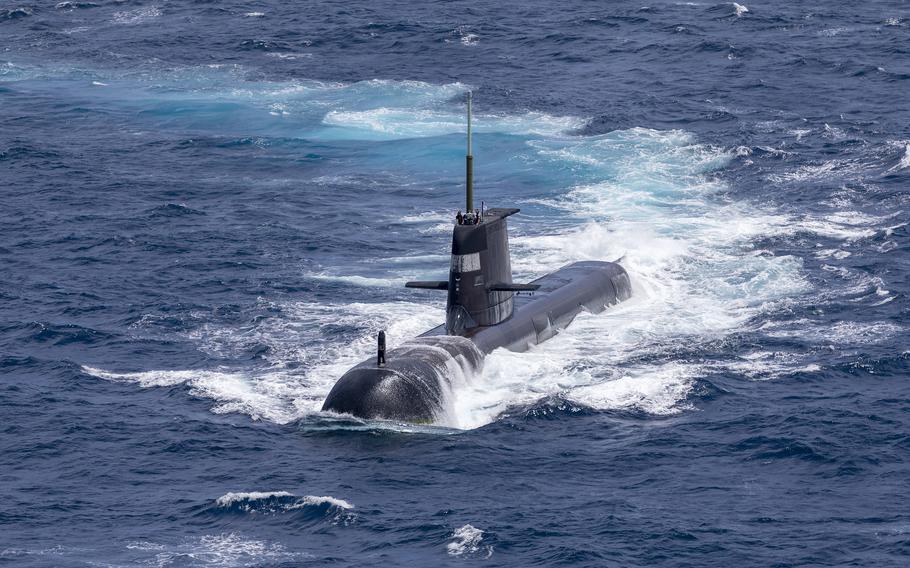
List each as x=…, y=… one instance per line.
x=562, y=295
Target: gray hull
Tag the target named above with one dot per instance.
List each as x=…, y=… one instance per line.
x=416, y=381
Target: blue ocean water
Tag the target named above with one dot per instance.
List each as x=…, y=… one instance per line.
x=209, y=209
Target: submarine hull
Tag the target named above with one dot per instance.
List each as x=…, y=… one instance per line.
x=415, y=383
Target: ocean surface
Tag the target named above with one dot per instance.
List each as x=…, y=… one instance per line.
x=208, y=210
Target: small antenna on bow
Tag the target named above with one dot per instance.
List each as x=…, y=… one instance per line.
x=380, y=352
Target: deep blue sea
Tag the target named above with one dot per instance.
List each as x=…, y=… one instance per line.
x=209, y=209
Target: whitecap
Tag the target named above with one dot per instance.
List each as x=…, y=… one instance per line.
x=904, y=161
x=657, y=390
x=74, y=5
x=232, y=498
x=270, y=395
x=842, y=334
x=138, y=16
x=831, y=32
x=229, y=499
x=467, y=540
x=800, y=133
x=326, y=500
x=290, y=56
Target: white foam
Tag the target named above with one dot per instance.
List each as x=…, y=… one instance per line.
x=226, y=550
x=229, y=499
x=388, y=123
x=767, y=365
x=286, y=55
x=282, y=392
x=269, y=395
x=466, y=540
x=800, y=133
x=327, y=500
x=138, y=16
x=831, y=32
x=845, y=225
x=904, y=161
x=808, y=172
x=844, y=334
x=427, y=217
x=358, y=280
x=67, y=6
x=739, y=9
x=657, y=390
x=254, y=14
x=837, y=254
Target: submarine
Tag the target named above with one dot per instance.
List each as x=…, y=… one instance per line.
x=485, y=310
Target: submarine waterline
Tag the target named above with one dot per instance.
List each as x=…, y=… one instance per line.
x=485, y=310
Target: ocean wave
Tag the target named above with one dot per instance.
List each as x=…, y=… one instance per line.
x=729, y=9
x=301, y=510
x=904, y=161
x=231, y=499
x=275, y=500
x=269, y=395
x=467, y=540
x=75, y=5
x=842, y=334
x=15, y=13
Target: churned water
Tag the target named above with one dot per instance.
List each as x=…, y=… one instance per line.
x=209, y=209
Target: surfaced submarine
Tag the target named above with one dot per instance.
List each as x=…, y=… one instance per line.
x=485, y=310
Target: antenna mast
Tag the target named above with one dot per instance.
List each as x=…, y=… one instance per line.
x=469, y=166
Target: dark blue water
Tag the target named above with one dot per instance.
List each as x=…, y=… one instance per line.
x=208, y=210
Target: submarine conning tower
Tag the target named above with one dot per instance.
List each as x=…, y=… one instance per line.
x=480, y=274
x=480, y=287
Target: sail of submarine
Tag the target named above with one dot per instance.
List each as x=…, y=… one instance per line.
x=485, y=311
